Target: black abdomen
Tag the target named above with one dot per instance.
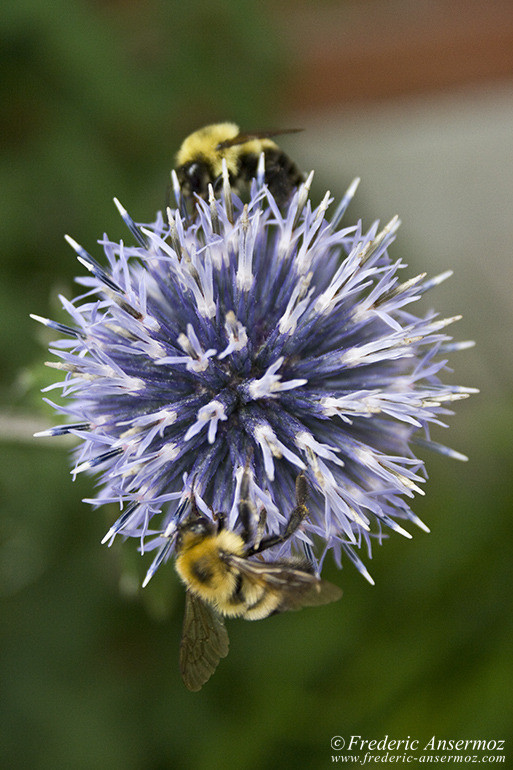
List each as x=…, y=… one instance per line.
x=282, y=176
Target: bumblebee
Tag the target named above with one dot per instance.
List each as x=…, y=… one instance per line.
x=199, y=161
x=222, y=579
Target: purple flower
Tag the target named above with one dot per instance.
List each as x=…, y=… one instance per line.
x=254, y=335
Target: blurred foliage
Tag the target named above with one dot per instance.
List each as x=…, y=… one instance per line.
x=96, y=97
x=90, y=673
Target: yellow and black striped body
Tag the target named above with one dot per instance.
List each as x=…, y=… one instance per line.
x=201, y=568
x=210, y=570
x=199, y=162
x=225, y=576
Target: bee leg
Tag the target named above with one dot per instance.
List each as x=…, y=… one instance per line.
x=299, y=513
x=301, y=490
x=262, y=518
x=246, y=507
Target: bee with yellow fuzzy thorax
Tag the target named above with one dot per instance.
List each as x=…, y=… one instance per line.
x=199, y=161
x=222, y=579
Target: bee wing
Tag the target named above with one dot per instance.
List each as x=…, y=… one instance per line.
x=297, y=587
x=319, y=592
x=250, y=135
x=204, y=642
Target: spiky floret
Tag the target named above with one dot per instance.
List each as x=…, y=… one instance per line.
x=254, y=335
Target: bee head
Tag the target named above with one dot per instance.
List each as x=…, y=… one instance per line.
x=193, y=530
x=194, y=178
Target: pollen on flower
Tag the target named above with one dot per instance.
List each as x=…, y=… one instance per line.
x=262, y=338
x=209, y=414
x=236, y=334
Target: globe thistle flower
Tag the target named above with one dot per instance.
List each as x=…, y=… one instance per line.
x=251, y=336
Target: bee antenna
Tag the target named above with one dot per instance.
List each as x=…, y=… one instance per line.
x=194, y=507
x=193, y=483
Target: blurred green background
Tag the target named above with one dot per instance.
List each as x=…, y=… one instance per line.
x=96, y=97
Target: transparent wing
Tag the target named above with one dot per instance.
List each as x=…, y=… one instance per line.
x=320, y=592
x=204, y=642
x=296, y=587
x=250, y=135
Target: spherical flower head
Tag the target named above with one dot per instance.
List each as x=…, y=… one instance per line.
x=251, y=337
